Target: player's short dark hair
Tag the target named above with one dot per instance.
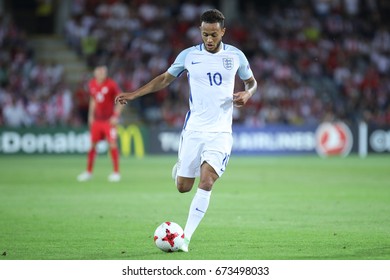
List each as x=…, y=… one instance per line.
x=213, y=16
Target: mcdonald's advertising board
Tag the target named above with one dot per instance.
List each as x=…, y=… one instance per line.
x=132, y=139
x=325, y=140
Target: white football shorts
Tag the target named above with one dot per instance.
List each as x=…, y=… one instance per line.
x=196, y=147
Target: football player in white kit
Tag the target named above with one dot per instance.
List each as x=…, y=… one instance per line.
x=206, y=140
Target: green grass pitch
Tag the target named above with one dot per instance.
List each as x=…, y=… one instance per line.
x=263, y=208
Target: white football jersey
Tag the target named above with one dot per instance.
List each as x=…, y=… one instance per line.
x=211, y=78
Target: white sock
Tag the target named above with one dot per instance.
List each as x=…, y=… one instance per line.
x=198, y=209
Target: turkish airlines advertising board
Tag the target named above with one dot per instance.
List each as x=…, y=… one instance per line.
x=326, y=139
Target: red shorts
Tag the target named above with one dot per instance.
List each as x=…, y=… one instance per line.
x=103, y=130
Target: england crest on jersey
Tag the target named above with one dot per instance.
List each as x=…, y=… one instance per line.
x=228, y=63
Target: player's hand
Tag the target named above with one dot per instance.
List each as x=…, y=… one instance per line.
x=240, y=98
x=122, y=98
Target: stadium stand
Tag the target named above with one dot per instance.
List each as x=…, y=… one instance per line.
x=314, y=61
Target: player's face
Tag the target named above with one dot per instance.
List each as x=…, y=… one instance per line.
x=212, y=34
x=100, y=73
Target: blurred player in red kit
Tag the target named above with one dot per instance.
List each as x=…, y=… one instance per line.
x=103, y=117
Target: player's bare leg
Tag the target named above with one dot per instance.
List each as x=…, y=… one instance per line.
x=183, y=184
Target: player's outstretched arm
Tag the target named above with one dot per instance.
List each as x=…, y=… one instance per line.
x=160, y=82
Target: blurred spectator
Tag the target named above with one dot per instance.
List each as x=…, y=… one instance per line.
x=81, y=100
x=329, y=60
x=14, y=114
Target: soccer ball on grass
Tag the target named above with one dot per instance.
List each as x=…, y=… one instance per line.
x=169, y=237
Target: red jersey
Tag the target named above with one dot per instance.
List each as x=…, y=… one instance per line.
x=104, y=95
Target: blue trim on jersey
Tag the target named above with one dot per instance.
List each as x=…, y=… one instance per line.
x=178, y=75
x=190, y=93
x=186, y=119
x=190, y=97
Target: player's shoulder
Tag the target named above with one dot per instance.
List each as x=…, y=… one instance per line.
x=198, y=48
x=187, y=52
x=236, y=52
x=92, y=84
x=231, y=48
x=110, y=81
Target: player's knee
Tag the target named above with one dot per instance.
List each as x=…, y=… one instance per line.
x=207, y=183
x=183, y=187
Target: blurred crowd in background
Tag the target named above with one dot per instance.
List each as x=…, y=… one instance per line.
x=314, y=61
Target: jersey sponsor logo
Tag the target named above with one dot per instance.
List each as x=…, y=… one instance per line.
x=197, y=209
x=129, y=137
x=333, y=139
x=228, y=63
x=195, y=62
